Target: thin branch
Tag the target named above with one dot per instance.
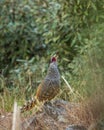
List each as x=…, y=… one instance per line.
x=67, y=84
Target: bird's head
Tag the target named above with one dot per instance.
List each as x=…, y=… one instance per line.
x=54, y=58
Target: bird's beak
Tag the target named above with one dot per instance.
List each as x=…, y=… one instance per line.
x=56, y=56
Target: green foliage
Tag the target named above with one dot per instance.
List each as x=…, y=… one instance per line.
x=30, y=28
x=87, y=68
x=20, y=38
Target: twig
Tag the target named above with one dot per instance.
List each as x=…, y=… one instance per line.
x=72, y=91
x=67, y=84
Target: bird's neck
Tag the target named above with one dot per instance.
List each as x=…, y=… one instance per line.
x=53, y=72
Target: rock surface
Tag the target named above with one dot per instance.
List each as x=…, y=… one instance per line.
x=57, y=115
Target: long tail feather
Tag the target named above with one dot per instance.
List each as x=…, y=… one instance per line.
x=29, y=105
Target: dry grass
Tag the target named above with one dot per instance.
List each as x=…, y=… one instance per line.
x=92, y=111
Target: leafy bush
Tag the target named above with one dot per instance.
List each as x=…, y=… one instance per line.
x=87, y=68
x=30, y=28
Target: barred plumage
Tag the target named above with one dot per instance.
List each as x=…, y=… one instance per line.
x=49, y=87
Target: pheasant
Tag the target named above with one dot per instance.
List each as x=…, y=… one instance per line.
x=48, y=88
